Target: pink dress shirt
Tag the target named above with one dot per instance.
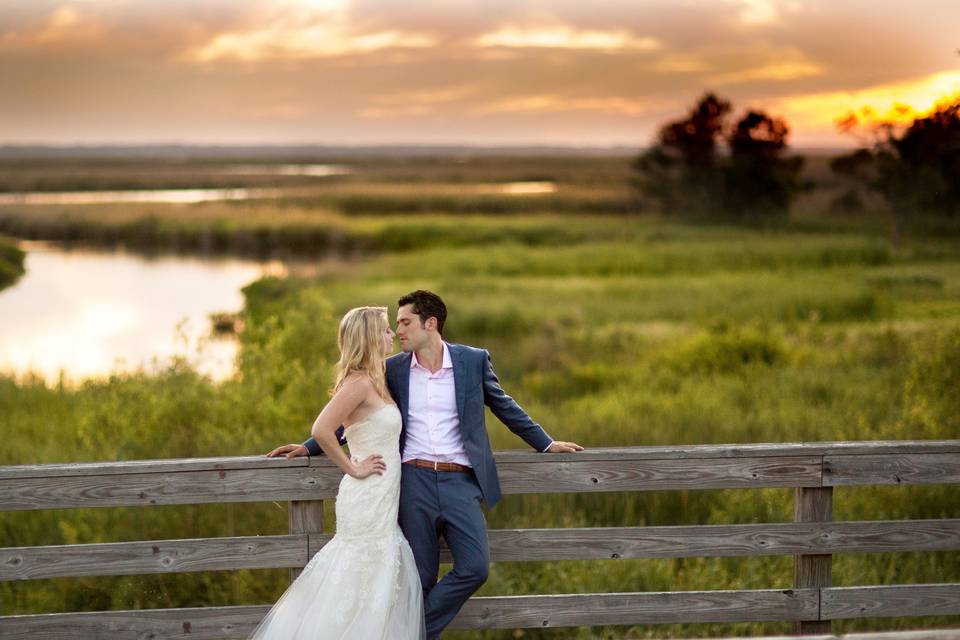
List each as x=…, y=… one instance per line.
x=433, y=424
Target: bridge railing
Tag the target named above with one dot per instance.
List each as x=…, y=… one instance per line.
x=811, y=469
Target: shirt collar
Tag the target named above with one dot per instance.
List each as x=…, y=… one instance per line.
x=447, y=360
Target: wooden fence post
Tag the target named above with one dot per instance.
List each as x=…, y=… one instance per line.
x=305, y=517
x=813, y=504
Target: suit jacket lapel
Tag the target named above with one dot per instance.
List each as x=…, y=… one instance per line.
x=459, y=379
x=402, y=382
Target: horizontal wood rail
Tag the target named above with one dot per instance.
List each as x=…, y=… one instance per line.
x=506, y=545
x=811, y=469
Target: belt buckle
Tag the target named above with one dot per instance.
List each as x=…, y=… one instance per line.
x=435, y=466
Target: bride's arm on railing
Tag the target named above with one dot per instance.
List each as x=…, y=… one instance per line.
x=350, y=396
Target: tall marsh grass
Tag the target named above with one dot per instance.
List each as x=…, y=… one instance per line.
x=611, y=331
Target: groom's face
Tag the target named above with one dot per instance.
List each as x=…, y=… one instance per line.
x=411, y=332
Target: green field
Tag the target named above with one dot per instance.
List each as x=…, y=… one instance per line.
x=612, y=329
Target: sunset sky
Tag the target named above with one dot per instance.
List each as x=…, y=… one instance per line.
x=490, y=72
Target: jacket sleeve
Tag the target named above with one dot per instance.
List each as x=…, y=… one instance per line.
x=509, y=412
x=313, y=447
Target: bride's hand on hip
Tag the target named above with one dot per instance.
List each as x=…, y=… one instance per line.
x=372, y=464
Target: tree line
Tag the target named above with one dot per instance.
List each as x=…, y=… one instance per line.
x=711, y=163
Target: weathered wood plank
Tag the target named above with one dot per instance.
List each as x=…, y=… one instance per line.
x=206, y=623
x=305, y=517
x=184, y=487
x=921, y=634
x=786, y=449
x=739, y=450
x=890, y=601
x=813, y=570
x=927, y=468
x=170, y=465
x=918, y=634
x=479, y=613
x=321, y=481
x=518, y=545
x=506, y=545
x=156, y=556
x=508, y=612
x=655, y=475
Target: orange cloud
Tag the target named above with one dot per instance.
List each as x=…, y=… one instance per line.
x=565, y=37
x=554, y=103
x=816, y=114
x=789, y=64
x=63, y=26
x=299, y=29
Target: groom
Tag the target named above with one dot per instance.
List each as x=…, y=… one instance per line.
x=448, y=466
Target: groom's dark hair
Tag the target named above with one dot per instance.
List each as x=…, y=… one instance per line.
x=426, y=304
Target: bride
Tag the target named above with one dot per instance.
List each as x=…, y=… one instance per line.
x=364, y=582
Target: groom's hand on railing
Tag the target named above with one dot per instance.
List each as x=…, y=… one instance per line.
x=563, y=447
x=308, y=448
x=289, y=450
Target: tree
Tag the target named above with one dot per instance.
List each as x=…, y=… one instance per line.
x=914, y=166
x=758, y=179
x=680, y=171
x=703, y=164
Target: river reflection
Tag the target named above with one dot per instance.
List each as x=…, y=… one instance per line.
x=173, y=196
x=88, y=313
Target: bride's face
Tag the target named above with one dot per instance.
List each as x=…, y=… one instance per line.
x=388, y=335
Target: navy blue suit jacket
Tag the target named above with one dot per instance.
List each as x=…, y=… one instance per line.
x=476, y=386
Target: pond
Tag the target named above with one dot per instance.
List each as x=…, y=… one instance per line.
x=88, y=313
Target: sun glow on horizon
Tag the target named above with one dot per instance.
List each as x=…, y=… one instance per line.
x=817, y=115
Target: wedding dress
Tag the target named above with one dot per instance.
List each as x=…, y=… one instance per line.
x=363, y=584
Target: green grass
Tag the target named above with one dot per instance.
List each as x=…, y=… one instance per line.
x=611, y=330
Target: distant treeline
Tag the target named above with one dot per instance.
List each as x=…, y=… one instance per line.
x=707, y=163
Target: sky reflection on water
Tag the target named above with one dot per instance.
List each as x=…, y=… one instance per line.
x=92, y=312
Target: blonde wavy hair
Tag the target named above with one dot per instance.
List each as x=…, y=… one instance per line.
x=360, y=340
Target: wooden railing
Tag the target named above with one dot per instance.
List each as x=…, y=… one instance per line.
x=812, y=469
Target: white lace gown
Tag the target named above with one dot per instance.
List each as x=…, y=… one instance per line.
x=363, y=584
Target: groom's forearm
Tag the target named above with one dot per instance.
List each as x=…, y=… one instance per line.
x=313, y=447
x=510, y=413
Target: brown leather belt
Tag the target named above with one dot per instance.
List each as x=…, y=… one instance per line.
x=439, y=466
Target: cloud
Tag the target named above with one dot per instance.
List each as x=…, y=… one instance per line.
x=565, y=37
x=681, y=63
x=556, y=103
x=773, y=71
x=387, y=70
x=64, y=25
x=921, y=95
x=759, y=13
x=298, y=30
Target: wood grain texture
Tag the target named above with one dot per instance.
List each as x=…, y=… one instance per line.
x=751, y=450
x=927, y=468
x=890, y=601
x=207, y=623
x=614, y=543
x=478, y=613
x=182, y=487
x=157, y=556
x=304, y=517
x=656, y=475
x=506, y=545
x=508, y=612
x=813, y=570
